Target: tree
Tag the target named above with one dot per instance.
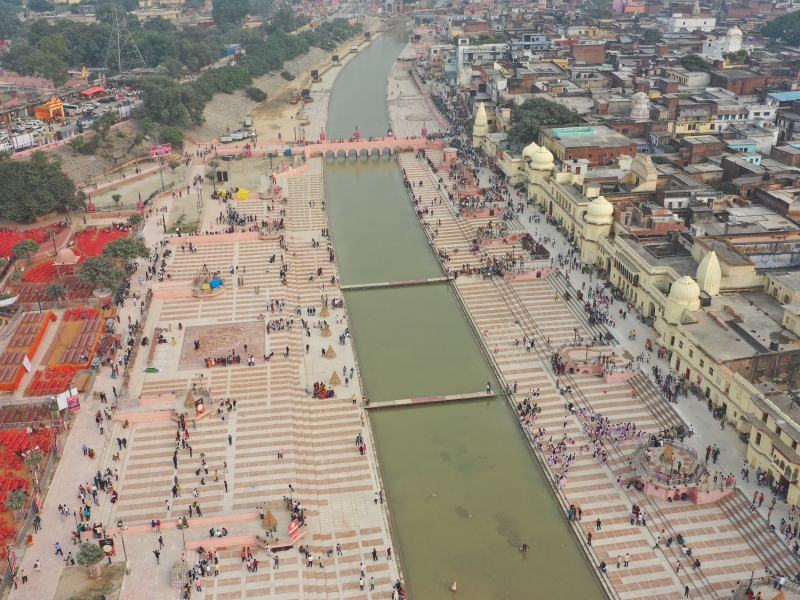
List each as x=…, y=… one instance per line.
x=693, y=62
x=651, y=36
x=103, y=125
x=116, y=198
x=737, y=58
x=174, y=164
x=34, y=459
x=232, y=12
x=159, y=24
x=256, y=94
x=89, y=555
x=25, y=248
x=287, y=76
x=125, y=248
x=15, y=499
x=535, y=113
x=101, y=271
x=135, y=219
x=40, y=6
x=597, y=8
x=173, y=135
x=56, y=291
x=49, y=65
x=54, y=44
x=785, y=29
x=33, y=188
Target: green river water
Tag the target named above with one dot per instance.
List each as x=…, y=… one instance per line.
x=463, y=490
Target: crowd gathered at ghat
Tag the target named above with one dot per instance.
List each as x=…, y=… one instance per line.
x=612, y=331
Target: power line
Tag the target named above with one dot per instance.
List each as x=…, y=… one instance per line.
x=122, y=55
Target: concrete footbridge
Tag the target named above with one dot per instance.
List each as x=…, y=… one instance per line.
x=326, y=148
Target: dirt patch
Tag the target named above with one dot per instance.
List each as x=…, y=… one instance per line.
x=75, y=581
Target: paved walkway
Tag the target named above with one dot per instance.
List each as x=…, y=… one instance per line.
x=408, y=111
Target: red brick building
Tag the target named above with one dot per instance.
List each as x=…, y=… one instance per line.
x=738, y=81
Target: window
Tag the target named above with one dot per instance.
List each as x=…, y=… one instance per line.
x=710, y=371
x=702, y=363
x=794, y=445
x=691, y=353
x=764, y=417
x=757, y=114
x=758, y=439
x=778, y=430
x=680, y=344
x=672, y=341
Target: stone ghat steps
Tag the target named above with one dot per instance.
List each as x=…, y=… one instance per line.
x=769, y=547
x=591, y=483
x=560, y=285
x=725, y=554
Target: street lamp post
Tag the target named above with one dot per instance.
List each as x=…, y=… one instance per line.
x=53, y=237
x=160, y=166
x=122, y=537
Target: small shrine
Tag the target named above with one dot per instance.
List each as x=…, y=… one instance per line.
x=66, y=264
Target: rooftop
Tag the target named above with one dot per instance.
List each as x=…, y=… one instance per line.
x=753, y=333
x=586, y=137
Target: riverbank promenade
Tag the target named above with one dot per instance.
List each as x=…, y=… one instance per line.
x=728, y=539
x=279, y=442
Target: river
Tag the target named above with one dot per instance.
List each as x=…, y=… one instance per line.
x=463, y=490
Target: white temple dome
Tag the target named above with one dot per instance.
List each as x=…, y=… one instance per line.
x=735, y=32
x=600, y=211
x=529, y=150
x=709, y=274
x=686, y=292
x=542, y=158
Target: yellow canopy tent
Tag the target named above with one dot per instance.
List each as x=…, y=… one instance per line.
x=242, y=194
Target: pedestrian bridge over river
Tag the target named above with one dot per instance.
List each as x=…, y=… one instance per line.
x=332, y=148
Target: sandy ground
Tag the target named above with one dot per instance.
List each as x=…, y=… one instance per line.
x=143, y=187
x=75, y=581
x=82, y=169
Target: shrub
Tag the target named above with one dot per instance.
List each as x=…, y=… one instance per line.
x=255, y=94
x=287, y=76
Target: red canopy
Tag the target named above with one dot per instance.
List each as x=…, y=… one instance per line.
x=92, y=91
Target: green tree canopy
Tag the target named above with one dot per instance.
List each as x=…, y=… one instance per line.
x=56, y=291
x=33, y=188
x=173, y=135
x=651, y=36
x=16, y=500
x=49, y=65
x=40, y=5
x=597, y=8
x=232, y=12
x=54, y=44
x=785, y=28
x=25, y=248
x=89, y=554
x=126, y=248
x=694, y=62
x=256, y=94
x=535, y=113
x=737, y=58
x=101, y=271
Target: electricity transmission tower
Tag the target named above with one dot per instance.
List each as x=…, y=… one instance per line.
x=122, y=54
